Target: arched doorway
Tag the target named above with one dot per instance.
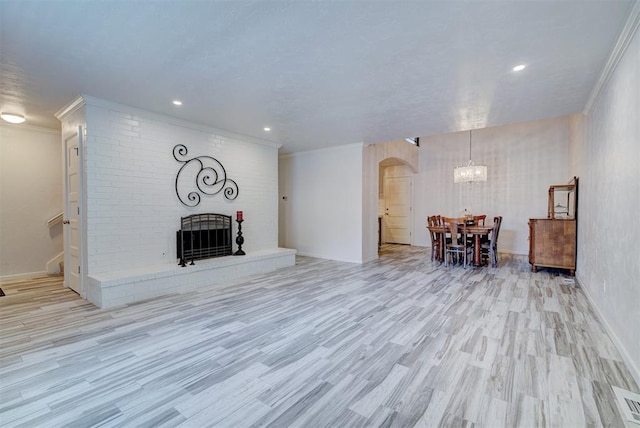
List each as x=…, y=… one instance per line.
x=379, y=159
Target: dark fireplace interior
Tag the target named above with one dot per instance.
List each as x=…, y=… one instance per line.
x=203, y=236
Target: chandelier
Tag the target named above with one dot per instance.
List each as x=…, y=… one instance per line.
x=470, y=172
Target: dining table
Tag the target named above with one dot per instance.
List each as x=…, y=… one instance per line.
x=476, y=230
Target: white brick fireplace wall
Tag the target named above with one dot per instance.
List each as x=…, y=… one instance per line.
x=132, y=208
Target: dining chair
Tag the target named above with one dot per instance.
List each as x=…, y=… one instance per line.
x=490, y=249
x=457, y=246
x=445, y=237
x=478, y=220
x=436, y=244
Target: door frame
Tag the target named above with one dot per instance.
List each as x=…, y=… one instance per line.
x=82, y=248
x=409, y=218
x=393, y=162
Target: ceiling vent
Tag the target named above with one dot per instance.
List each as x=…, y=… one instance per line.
x=629, y=403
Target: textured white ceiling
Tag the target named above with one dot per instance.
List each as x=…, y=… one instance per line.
x=318, y=73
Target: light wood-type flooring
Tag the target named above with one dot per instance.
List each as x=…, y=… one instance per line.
x=400, y=341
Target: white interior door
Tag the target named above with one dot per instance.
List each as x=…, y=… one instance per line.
x=397, y=212
x=73, y=194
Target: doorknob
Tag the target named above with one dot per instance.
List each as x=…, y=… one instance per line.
x=65, y=221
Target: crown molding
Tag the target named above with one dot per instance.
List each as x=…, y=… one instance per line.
x=89, y=100
x=320, y=150
x=624, y=39
x=70, y=108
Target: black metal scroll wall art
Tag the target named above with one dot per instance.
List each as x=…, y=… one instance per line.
x=208, y=173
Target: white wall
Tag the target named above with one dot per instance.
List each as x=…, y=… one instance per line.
x=322, y=216
x=577, y=135
x=609, y=205
x=132, y=208
x=370, y=197
x=523, y=160
x=30, y=194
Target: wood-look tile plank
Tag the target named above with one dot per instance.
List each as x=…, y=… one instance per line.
x=399, y=341
x=368, y=404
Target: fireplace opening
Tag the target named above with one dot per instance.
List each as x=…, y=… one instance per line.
x=203, y=236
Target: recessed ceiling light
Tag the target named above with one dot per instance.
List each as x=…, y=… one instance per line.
x=266, y=128
x=519, y=67
x=12, y=118
x=177, y=102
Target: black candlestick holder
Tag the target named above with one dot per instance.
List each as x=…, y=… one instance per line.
x=239, y=240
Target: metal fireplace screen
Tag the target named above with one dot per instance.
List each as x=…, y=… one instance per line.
x=202, y=236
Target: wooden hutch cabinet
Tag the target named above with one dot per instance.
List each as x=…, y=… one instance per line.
x=552, y=240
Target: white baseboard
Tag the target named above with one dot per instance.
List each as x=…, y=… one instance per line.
x=631, y=365
x=53, y=265
x=18, y=276
x=370, y=259
x=323, y=257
